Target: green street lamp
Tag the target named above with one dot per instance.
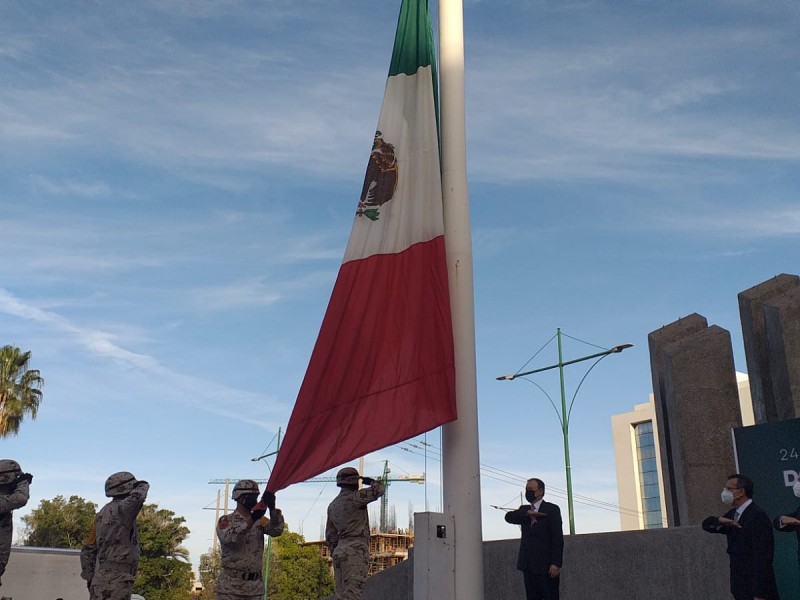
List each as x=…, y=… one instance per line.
x=565, y=414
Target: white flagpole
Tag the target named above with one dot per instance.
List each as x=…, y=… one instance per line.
x=460, y=455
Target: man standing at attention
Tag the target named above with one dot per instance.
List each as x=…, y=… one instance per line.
x=110, y=554
x=541, y=547
x=241, y=539
x=750, y=543
x=347, y=532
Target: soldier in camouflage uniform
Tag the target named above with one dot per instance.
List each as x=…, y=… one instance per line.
x=241, y=539
x=14, y=493
x=347, y=532
x=110, y=554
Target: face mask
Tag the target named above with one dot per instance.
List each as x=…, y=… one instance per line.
x=249, y=501
x=727, y=496
x=530, y=496
x=796, y=488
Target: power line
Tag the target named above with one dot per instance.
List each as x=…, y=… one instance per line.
x=512, y=478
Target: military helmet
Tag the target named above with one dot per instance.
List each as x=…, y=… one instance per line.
x=244, y=487
x=120, y=484
x=347, y=476
x=9, y=469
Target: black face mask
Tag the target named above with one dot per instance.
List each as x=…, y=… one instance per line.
x=249, y=501
x=530, y=496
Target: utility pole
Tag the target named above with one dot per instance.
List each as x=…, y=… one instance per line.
x=566, y=411
x=216, y=520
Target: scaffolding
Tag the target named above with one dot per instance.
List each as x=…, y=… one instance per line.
x=385, y=550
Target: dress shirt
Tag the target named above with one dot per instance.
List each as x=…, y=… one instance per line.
x=741, y=508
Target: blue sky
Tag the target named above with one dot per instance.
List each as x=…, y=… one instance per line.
x=179, y=180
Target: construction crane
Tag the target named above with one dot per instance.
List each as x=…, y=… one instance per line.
x=384, y=522
x=385, y=479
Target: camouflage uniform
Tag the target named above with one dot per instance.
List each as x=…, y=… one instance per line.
x=241, y=543
x=347, y=534
x=110, y=554
x=12, y=496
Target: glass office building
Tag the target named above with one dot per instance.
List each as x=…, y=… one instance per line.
x=649, y=490
x=640, y=484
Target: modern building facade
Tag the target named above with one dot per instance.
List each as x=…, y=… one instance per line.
x=640, y=482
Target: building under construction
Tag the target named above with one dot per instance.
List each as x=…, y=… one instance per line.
x=385, y=550
x=388, y=545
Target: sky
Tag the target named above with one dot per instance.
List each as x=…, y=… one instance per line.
x=178, y=181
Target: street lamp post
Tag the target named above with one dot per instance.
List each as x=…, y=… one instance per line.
x=565, y=414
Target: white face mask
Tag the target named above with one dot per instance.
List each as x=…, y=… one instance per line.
x=796, y=487
x=727, y=496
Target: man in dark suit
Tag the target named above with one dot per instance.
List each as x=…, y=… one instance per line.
x=541, y=548
x=750, y=543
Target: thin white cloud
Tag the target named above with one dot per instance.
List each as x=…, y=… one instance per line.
x=193, y=391
x=15, y=46
x=616, y=110
x=202, y=110
x=57, y=246
x=71, y=187
x=97, y=342
x=312, y=247
x=92, y=262
x=18, y=127
x=248, y=293
x=782, y=222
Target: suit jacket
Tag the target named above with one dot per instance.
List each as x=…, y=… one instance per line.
x=542, y=543
x=777, y=523
x=751, y=549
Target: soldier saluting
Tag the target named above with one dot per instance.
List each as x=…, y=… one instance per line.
x=241, y=539
x=347, y=532
x=110, y=553
x=14, y=493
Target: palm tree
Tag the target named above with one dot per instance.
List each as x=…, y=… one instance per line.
x=20, y=389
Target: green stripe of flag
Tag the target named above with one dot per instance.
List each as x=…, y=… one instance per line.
x=413, y=42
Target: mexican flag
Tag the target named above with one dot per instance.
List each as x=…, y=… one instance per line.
x=382, y=369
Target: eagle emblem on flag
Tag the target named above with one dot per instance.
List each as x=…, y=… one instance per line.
x=380, y=180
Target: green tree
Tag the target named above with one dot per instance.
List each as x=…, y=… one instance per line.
x=20, y=389
x=164, y=571
x=209, y=569
x=297, y=572
x=59, y=523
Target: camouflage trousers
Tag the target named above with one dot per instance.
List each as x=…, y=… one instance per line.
x=230, y=588
x=111, y=585
x=5, y=543
x=350, y=569
x=225, y=596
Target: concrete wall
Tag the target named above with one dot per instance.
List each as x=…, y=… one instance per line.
x=782, y=326
x=697, y=405
x=43, y=574
x=656, y=564
x=751, y=311
x=657, y=341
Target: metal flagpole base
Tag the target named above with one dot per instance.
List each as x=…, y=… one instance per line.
x=434, y=556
